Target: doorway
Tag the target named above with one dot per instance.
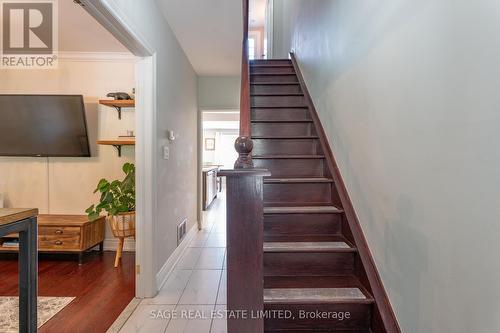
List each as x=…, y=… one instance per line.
x=146, y=140
x=220, y=129
x=260, y=29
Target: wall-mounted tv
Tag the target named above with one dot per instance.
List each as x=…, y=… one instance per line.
x=43, y=125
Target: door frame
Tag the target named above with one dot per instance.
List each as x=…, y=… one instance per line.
x=269, y=28
x=201, y=146
x=119, y=25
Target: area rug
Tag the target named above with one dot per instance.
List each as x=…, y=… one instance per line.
x=48, y=307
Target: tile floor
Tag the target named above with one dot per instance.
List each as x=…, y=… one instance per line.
x=195, y=292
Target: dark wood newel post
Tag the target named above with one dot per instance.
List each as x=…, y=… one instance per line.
x=244, y=143
x=243, y=146
x=245, y=232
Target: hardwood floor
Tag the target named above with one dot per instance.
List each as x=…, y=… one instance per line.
x=101, y=290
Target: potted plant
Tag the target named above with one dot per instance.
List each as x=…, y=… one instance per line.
x=118, y=200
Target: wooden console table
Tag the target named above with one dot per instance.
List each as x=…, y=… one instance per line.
x=67, y=234
x=24, y=222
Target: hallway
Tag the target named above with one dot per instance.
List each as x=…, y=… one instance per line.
x=195, y=292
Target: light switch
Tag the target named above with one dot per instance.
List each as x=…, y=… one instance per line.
x=166, y=152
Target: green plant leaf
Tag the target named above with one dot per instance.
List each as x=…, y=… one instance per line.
x=117, y=196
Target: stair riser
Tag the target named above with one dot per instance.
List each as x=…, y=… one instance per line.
x=302, y=224
x=275, y=89
x=255, y=78
x=298, y=194
x=285, y=147
x=278, y=101
x=271, y=62
x=359, y=317
x=271, y=69
x=292, y=167
x=308, y=264
x=280, y=114
x=283, y=129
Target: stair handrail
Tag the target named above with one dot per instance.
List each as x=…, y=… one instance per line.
x=245, y=218
x=244, y=144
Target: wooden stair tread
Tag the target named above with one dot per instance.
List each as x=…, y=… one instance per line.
x=277, y=83
x=270, y=65
x=274, y=74
x=271, y=180
x=285, y=137
x=288, y=157
x=302, y=210
x=276, y=94
x=304, y=107
x=282, y=121
x=334, y=281
x=304, y=237
x=314, y=295
x=306, y=247
x=316, y=331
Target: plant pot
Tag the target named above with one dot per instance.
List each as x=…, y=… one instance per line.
x=123, y=224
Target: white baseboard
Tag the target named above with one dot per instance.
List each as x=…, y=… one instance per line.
x=167, y=268
x=110, y=244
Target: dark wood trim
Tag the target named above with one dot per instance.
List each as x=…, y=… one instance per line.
x=245, y=255
x=244, y=143
x=384, y=307
x=245, y=77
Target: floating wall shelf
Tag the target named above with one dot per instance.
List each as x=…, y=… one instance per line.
x=118, y=144
x=118, y=104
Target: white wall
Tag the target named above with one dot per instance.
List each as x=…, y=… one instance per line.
x=176, y=103
x=408, y=94
x=224, y=153
x=66, y=185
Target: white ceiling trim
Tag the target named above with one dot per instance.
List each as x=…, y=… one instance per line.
x=97, y=57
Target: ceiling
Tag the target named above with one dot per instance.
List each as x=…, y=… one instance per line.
x=209, y=31
x=80, y=32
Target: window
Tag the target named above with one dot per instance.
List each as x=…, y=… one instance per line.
x=251, y=48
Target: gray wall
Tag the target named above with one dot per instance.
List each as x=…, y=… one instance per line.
x=219, y=92
x=408, y=94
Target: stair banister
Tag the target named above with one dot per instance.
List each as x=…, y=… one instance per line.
x=244, y=143
x=245, y=219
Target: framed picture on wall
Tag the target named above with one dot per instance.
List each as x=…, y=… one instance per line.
x=209, y=144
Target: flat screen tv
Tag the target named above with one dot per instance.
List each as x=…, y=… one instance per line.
x=43, y=125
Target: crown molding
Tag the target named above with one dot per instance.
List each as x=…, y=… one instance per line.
x=97, y=57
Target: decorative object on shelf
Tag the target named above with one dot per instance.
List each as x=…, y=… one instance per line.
x=130, y=134
x=118, y=200
x=209, y=144
x=120, y=96
x=118, y=104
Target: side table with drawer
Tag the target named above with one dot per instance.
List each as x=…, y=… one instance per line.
x=67, y=234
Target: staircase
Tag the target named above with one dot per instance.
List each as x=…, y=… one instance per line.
x=311, y=261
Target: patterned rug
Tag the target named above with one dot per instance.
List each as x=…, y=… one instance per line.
x=47, y=308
